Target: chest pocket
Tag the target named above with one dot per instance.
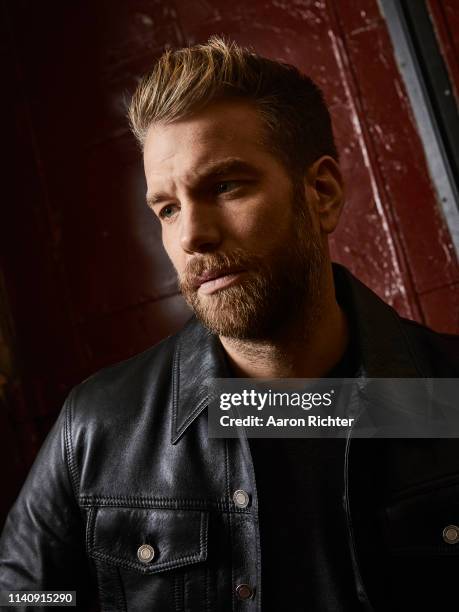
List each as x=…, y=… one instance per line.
x=150, y=559
x=422, y=562
x=425, y=523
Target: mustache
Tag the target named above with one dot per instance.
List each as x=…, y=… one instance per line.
x=215, y=264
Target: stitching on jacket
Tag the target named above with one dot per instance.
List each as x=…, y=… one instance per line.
x=230, y=522
x=154, y=569
x=203, y=534
x=178, y=590
x=93, y=534
x=90, y=527
x=69, y=446
x=167, y=503
x=175, y=385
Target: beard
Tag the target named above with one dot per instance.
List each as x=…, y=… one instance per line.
x=278, y=286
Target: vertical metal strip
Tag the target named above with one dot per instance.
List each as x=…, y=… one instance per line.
x=435, y=153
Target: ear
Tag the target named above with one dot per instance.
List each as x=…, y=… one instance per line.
x=324, y=179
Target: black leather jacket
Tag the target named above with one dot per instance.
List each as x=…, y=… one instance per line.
x=129, y=463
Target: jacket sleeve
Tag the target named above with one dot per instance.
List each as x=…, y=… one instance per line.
x=43, y=546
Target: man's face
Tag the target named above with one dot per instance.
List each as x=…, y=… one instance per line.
x=235, y=225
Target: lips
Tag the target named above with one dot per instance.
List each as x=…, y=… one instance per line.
x=212, y=275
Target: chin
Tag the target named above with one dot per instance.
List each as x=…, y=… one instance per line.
x=243, y=311
x=228, y=324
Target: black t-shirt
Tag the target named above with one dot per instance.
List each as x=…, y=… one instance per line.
x=306, y=562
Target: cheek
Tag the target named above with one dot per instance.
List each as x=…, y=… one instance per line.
x=261, y=219
x=275, y=223
x=175, y=254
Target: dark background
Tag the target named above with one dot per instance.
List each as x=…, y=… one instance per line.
x=84, y=280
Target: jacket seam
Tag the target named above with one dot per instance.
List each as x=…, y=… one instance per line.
x=90, y=528
x=178, y=590
x=230, y=520
x=175, y=384
x=161, y=503
x=203, y=536
x=68, y=440
x=154, y=569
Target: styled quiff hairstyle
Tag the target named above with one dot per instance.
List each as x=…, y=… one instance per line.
x=292, y=107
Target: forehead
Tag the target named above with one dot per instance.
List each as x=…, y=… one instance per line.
x=224, y=129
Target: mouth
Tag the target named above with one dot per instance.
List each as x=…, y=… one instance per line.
x=210, y=282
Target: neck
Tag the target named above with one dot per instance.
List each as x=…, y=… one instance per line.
x=307, y=347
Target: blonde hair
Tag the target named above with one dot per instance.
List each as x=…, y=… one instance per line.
x=290, y=104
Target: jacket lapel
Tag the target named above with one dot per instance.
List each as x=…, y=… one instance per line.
x=198, y=358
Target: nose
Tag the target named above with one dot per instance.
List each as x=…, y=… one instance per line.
x=199, y=230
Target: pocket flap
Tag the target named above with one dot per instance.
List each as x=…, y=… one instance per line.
x=171, y=538
x=416, y=523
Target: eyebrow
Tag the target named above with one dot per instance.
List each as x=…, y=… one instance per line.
x=211, y=172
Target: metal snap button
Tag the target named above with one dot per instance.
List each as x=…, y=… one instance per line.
x=146, y=553
x=451, y=534
x=241, y=498
x=244, y=591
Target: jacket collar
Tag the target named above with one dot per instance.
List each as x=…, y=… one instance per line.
x=384, y=349
x=199, y=357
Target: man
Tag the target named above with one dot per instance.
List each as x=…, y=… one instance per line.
x=131, y=495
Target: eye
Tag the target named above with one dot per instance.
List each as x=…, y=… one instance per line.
x=167, y=212
x=226, y=186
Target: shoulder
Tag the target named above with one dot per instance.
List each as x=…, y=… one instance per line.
x=119, y=391
x=135, y=371
x=439, y=352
